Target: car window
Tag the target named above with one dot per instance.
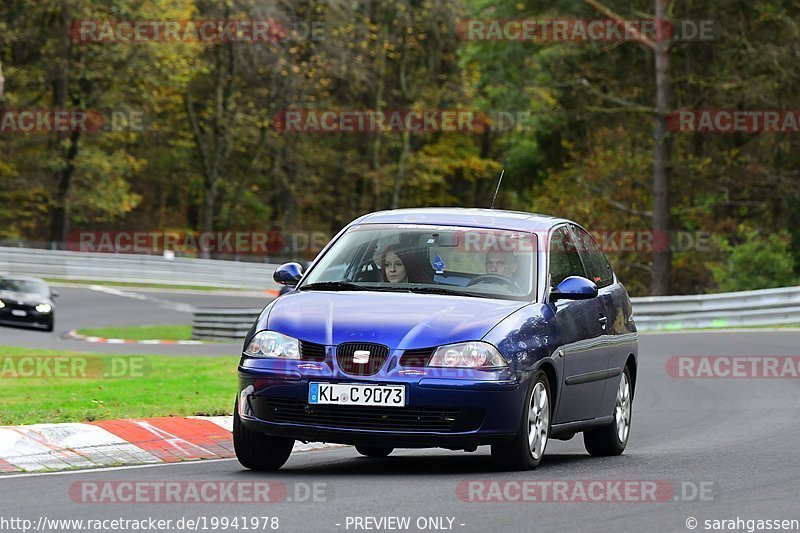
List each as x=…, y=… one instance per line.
x=597, y=265
x=564, y=258
x=424, y=258
x=23, y=285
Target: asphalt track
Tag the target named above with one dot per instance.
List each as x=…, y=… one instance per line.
x=737, y=439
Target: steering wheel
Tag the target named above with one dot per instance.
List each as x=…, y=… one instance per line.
x=494, y=278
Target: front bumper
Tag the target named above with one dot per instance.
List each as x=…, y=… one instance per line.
x=444, y=408
x=32, y=318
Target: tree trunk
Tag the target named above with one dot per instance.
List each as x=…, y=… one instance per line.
x=213, y=142
x=662, y=258
x=400, y=177
x=209, y=203
x=60, y=217
x=375, y=145
x=2, y=95
x=63, y=177
x=287, y=195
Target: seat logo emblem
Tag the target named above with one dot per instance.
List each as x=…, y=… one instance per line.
x=361, y=357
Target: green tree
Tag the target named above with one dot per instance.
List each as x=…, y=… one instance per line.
x=755, y=262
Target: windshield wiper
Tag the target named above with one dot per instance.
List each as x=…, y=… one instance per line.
x=389, y=287
x=436, y=290
x=333, y=286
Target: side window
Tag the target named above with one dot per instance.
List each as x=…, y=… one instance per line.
x=598, y=267
x=564, y=258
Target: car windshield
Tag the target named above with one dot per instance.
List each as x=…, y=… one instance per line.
x=24, y=285
x=429, y=259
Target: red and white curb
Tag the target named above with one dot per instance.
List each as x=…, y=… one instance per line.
x=72, y=334
x=43, y=447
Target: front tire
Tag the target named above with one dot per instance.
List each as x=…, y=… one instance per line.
x=51, y=324
x=612, y=439
x=257, y=451
x=374, y=451
x=526, y=449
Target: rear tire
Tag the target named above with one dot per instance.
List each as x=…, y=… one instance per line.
x=526, y=449
x=374, y=451
x=257, y=451
x=612, y=439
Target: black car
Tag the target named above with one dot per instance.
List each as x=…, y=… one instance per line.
x=27, y=301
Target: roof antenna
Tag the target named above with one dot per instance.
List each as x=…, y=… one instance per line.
x=498, y=187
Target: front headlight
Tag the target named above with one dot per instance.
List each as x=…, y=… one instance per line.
x=44, y=308
x=2, y=305
x=476, y=354
x=272, y=344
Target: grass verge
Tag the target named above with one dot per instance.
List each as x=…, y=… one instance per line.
x=174, y=332
x=152, y=385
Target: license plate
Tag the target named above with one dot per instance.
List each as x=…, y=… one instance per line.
x=18, y=312
x=357, y=394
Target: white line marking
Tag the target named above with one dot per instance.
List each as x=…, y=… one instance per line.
x=73, y=334
x=132, y=467
x=111, y=468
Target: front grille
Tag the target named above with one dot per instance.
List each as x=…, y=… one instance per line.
x=358, y=417
x=311, y=351
x=416, y=357
x=377, y=357
x=12, y=305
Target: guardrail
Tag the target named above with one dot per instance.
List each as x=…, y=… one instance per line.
x=652, y=313
x=136, y=268
x=223, y=324
x=766, y=307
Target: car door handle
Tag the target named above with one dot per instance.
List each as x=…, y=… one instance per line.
x=603, y=321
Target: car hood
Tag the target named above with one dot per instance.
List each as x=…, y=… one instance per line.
x=397, y=320
x=25, y=297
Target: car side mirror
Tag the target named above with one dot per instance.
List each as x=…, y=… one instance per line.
x=288, y=274
x=53, y=293
x=574, y=288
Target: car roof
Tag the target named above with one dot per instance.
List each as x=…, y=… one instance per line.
x=15, y=277
x=464, y=216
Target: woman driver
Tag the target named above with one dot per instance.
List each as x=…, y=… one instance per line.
x=393, y=267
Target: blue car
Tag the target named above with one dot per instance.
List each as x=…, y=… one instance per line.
x=442, y=327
